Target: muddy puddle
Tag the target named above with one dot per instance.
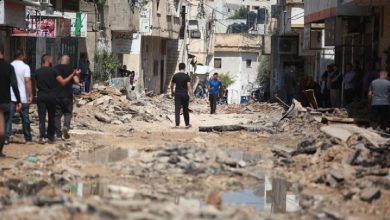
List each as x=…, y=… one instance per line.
x=272, y=195
x=108, y=155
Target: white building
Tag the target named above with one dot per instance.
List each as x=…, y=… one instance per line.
x=238, y=55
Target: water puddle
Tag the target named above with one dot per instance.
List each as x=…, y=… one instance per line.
x=108, y=155
x=273, y=196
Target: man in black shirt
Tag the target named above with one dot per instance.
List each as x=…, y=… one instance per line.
x=65, y=76
x=336, y=80
x=182, y=93
x=7, y=80
x=47, y=85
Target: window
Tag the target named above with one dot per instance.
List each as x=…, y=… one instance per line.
x=217, y=63
x=248, y=63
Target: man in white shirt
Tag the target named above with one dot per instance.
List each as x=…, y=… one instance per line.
x=23, y=76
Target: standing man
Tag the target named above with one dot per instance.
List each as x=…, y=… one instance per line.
x=349, y=84
x=85, y=71
x=183, y=92
x=325, y=88
x=214, y=86
x=290, y=84
x=47, y=85
x=23, y=76
x=7, y=80
x=335, y=80
x=65, y=76
x=378, y=97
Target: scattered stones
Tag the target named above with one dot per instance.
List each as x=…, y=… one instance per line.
x=103, y=117
x=282, y=151
x=352, y=158
x=370, y=194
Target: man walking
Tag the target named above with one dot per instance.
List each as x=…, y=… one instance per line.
x=183, y=92
x=214, y=87
x=46, y=84
x=378, y=97
x=65, y=76
x=23, y=76
x=7, y=80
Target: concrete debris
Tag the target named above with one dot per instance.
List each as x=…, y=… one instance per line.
x=124, y=161
x=370, y=194
x=352, y=158
x=103, y=117
x=282, y=151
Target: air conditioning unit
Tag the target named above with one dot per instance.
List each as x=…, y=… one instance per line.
x=288, y=45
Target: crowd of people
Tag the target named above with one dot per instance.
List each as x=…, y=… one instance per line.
x=54, y=96
x=336, y=89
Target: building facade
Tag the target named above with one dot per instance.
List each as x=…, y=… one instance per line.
x=238, y=55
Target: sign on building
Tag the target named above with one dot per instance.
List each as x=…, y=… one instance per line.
x=126, y=43
x=37, y=28
x=144, y=21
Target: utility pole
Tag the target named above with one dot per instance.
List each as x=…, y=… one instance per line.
x=185, y=10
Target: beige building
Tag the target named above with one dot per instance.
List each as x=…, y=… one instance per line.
x=200, y=33
x=144, y=36
x=238, y=55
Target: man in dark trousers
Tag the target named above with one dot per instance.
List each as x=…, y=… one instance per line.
x=7, y=80
x=378, y=97
x=214, y=86
x=47, y=89
x=182, y=93
x=85, y=71
x=65, y=76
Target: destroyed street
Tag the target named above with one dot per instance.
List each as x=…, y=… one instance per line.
x=125, y=160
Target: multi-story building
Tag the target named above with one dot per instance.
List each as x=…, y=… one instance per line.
x=56, y=27
x=345, y=28
x=145, y=37
x=238, y=55
x=376, y=28
x=288, y=23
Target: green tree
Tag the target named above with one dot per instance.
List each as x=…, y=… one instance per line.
x=226, y=79
x=241, y=13
x=263, y=69
x=106, y=64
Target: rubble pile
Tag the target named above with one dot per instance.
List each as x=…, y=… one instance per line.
x=108, y=105
x=251, y=108
x=47, y=190
x=353, y=161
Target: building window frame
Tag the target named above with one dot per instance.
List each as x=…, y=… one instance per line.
x=218, y=63
x=249, y=63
